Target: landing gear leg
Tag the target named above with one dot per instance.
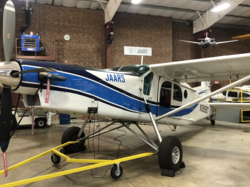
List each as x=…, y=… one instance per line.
x=170, y=150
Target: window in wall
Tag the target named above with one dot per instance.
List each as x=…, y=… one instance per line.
x=148, y=83
x=177, y=93
x=232, y=94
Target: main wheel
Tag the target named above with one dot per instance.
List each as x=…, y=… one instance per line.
x=71, y=135
x=170, y=153
x=41, y=122
x=212, y=122
x=115, y=174
x=55, y=159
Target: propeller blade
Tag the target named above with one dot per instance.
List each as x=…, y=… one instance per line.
x=5, y=118
x=38, y=70
x=9, y=23
x=5, y=124
x=47, y=91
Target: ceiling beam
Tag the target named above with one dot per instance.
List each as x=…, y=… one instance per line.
x=217, y=1
x=111, y=9
x=209, y=18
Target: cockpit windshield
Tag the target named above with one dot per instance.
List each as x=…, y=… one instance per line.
x=139, y=69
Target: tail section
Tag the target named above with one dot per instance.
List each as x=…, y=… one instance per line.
x=203, y=89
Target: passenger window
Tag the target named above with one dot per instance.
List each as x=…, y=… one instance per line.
x=224, y=93
x=232, y=94
x=177, y=93
x=148, y=83
x=165, y=97
x=185, y=94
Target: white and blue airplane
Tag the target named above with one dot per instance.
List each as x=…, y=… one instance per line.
x=205, y=42
x=126, y=95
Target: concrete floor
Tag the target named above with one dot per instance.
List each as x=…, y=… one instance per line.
x=214, y=156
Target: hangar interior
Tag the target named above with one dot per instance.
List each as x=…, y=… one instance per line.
x=74, y=32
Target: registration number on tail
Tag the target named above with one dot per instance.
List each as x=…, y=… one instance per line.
x=204, y=108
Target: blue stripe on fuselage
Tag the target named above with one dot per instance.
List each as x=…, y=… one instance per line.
x=77, y=70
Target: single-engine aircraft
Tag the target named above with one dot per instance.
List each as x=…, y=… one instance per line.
x=127, y=95
x=205, y=42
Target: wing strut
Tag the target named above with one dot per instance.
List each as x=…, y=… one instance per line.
x=204, y=97
x=152, y=118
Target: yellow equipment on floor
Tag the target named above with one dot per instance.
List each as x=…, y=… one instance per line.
x=56, y=157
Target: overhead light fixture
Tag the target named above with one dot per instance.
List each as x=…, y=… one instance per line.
x=136, y=1
x=220, y=7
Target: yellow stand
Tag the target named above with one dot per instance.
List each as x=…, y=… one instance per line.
x=97, y=164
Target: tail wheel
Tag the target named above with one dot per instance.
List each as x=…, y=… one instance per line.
x=170, y=153
x=71, y=135
x=212, y=122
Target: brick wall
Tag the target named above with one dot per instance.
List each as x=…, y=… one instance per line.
x=85, y=27
x=141, y=31
x=181, y=50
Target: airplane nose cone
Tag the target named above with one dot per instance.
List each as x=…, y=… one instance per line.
x=6, y=70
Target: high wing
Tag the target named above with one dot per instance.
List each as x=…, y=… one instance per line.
x=230, y=106
x=226, y=41
x=205, y=69
x=190, y=42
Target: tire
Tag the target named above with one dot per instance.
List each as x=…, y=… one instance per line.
x=55, y=159
x=168, y=146
x=212, y=122
x=114, y=173
x=41, y=122
x=71, y=135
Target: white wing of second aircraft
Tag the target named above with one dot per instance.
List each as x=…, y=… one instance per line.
x=226, y=41
x=206, y=69
x=230, y=106
x=190, y=42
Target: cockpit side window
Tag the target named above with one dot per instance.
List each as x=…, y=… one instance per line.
x=148, y=83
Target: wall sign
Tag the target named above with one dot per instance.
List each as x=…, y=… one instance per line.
x=140, y=51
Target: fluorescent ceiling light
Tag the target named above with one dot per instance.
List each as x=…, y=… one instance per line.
x=220, y=7
x=136, y=1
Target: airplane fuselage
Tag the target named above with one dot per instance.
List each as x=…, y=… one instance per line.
x=116, y=94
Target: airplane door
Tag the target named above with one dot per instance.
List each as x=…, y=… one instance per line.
x=164, y=96
x=169, y=96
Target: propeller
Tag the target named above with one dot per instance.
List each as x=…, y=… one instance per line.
x=7, y=119
x=9, y=22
